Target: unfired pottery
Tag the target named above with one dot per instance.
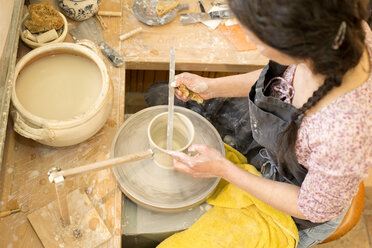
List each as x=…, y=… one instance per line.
x=183, y=136
x=150, y=185
x=62, y=132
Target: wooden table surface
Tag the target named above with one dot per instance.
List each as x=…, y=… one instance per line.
x=198, y=48
x=23, y=178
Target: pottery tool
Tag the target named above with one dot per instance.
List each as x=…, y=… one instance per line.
x=109, y=13
x=171, y=98
x=145, y=11
x=23, y=208
x=189, y=18
x=101, y=22
x=131, y=33
x=202, y=9
x=9, y=212
x=56, y=175
x=90, y=30
x=72, y=217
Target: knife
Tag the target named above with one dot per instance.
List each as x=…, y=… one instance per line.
x=90, y=30
x=189, y=18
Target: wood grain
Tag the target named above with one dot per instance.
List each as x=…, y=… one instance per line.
x=24, y=180
x=87, y=228
x=197, y=47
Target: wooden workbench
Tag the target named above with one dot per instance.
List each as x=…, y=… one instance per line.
x=23, y=178
x=198, y=48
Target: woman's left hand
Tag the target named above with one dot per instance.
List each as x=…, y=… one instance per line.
x=208, y=162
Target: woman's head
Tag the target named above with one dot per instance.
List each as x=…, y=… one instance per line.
x=305, y=30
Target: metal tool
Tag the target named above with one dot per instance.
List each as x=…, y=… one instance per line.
x=202, y=9
x=172, y=62
x=145, y=11
x=90, y=30
x=190, y=18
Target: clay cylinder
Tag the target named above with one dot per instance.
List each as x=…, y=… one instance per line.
x=183, y=136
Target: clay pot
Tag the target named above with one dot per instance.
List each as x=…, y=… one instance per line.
x=79, y=10
x=183, y=136
x=67, y=131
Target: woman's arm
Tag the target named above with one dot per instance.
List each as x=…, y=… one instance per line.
x=234, y=86
x=210, y=163
x=282, y=196
x=230, y=86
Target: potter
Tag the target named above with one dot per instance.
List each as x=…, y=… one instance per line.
x=183, y=136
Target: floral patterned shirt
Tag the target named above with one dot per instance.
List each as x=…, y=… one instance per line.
x=334, y=145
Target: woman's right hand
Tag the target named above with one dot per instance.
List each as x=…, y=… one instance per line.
x=194, y=83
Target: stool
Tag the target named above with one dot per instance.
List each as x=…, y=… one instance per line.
x=352, y=216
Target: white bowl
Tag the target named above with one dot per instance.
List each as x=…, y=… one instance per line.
x=34, y=44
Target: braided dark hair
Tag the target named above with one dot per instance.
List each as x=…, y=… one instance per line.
x=306, y=30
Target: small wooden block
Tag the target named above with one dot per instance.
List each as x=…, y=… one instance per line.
x=87, y=229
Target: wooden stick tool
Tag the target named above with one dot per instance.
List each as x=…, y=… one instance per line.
x=57, y=176
x=130, y=33
x=109, y=13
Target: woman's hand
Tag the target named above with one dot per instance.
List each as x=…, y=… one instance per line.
x=194, y=83
x=208, y=162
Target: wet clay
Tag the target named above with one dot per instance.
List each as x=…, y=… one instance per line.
x=59, y=87
x=179, y=140
x=183, y=135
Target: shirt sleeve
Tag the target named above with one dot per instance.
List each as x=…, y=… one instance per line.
x=338, y=158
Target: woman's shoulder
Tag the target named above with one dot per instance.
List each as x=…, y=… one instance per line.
x=351, y=109
x=339, y=131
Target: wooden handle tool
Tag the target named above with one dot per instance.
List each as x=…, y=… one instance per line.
x=9, y=212
x=101, y=165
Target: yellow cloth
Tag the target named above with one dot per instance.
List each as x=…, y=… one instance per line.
x=237, y=220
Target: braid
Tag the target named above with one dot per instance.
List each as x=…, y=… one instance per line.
x=328, y=85
x=306, y=30
x=291, y=132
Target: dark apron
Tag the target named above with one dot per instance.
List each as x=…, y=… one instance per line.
x=269, y=117
x=252, y=127
x=256, y=133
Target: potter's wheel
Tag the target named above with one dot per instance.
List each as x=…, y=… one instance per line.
x=155, y=187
